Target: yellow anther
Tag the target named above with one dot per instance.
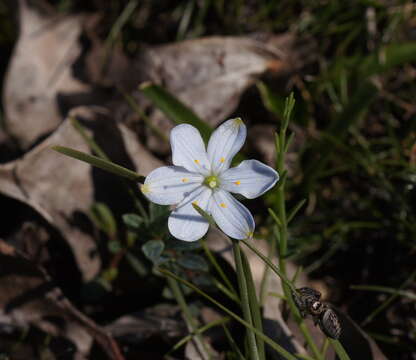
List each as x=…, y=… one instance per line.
x=238, y=182
x=196, y=161
x=238, y=122
x=222, y=160
x=184, y=180
x=145, y=188
x=223, y=205
x=195, y=202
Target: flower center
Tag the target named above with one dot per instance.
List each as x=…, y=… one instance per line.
x=211, y=181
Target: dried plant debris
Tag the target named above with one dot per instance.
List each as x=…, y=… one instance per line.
x=28, y=297
x=215, y=69
x=52, y=70
x=62, y=189
x=39, y=69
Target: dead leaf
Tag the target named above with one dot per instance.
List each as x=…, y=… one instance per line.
x=210, y=74
x=29, y=297
x=161, y=320
x=62, y=189
x=40, y=68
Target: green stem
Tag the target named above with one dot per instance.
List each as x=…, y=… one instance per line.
x=270, y=264
x=192, y=324
x=266, y=339
x=254, y=304
x=339, y=349
x=266, y=272
x=388, y=301
x=220, y=286
x=200, y=330
x=217, y=267
x=294, y=310
x=234, y=346
x=245, y=305
x=135, y=106
x=281, y=149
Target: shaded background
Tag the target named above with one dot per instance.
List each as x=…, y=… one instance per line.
x=351, y=66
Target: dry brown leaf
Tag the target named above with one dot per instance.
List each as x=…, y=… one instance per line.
x=61, y=188
x=210, y=74
x=29, y=297
x=39, y=69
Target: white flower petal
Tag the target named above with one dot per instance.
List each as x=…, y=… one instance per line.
x=168, y=185
x=188, y=149
x=185, y=223
x=224, y=143
x=251, y=179
x=232, y=217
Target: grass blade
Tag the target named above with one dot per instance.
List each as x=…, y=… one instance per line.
x=99, y=163
x=174, y=109
x=254, y=304
x=266, y=339
x=339, y=349
x=246, y=306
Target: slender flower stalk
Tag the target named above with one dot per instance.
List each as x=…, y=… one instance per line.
x=281, y=149
x=203, y=177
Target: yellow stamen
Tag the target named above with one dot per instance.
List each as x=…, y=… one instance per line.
x=145, y=189
x=222, y=160
x=223, y=205
x=184, y=180
x=195, y=202
x=196, y=161
x=238, y=182
x=211, y=181
x=238, y=122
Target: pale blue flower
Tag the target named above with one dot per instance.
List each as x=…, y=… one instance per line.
x=204, y=177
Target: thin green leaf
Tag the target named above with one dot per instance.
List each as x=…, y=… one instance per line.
x=218, y=268
x=266, y=339
x=234, y=346
x=287, y=113
x=254, y=304
x=198, y=331
x=136, y=264
x=339, y=349
x=191, y=321
x=271, y=101
x=289, y=141
x=174, y=109
x=270, y=264
x=88, y=139
x=389, y=300
x=275, y=217
x=388, y=57
x=103, y=218
x=295, y=210
x=245, y=301
x=404, y=293
x=135, y=106
x=277, y=142
x=100, y=163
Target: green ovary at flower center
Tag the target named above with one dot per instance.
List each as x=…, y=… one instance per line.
x=211, y=181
